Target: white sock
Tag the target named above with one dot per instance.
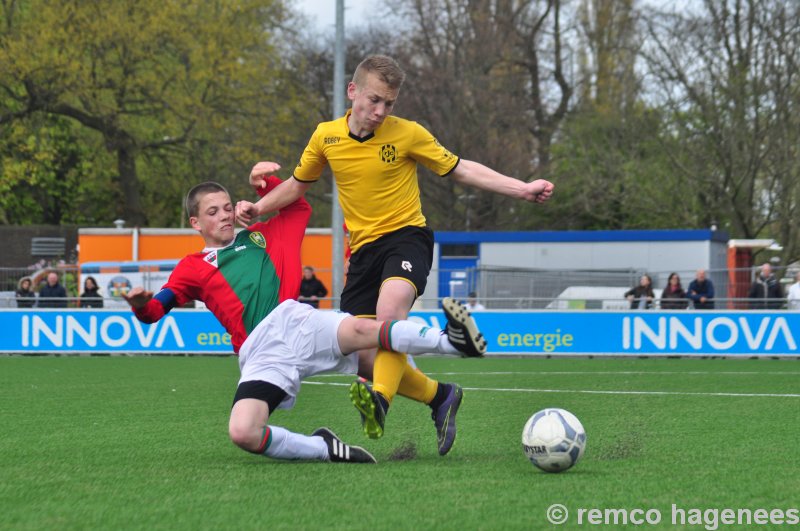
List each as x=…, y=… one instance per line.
x=289, y=445
x=414, y=338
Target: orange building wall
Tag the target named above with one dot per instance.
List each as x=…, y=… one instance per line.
x=97, y=247
x=157, y=247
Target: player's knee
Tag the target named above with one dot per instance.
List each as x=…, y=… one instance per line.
x=365, y=327
x=243, y=437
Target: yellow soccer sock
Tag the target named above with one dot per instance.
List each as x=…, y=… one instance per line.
x=387, y=372
x=416, y=386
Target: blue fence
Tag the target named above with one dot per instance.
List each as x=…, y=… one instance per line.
x=720, y=333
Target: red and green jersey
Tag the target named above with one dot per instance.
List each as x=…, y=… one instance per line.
x=243, y=282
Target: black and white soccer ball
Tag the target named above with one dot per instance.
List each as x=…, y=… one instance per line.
x=553, y=439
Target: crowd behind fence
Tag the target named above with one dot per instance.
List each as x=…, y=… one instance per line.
x=497, y=288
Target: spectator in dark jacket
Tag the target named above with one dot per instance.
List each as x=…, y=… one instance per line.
x=701, y=291
x=641, y=296
x=52, y=294
x=91, y=298
x=674, y=297
x=26, y=297
x=766, y=292
x=311, y=288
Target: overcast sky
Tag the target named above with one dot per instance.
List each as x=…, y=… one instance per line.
x=355, y=11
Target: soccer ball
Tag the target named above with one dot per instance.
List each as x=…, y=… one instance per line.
x=553, y=439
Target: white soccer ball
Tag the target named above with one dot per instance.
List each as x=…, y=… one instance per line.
x=553, y=439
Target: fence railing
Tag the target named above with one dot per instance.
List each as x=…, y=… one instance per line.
x=497, y=288
x=7, y=300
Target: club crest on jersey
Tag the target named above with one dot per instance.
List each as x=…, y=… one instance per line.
x=388, y=153
x=211, y=258
x=258, y=239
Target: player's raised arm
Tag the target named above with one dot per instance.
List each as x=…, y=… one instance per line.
x=477, y=175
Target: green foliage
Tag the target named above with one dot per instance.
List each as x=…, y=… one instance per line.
x=729, y=77
x=69, y=279
x=613, y=172
x=50, y=173
x=165, y=87
x=114, y=109
x=141, y=443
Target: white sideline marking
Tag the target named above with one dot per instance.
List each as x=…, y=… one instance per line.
x=545, y=373
x=595, y=392
x=680, y=393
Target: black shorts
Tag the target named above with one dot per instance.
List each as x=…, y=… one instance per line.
x=264, y=391
x=405, y=253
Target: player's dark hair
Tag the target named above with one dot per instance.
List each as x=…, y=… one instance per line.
x=196, y=194
x=384, y=66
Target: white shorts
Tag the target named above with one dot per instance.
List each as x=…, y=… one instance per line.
x=293, y=342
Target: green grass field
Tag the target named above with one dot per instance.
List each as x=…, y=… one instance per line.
x=141, y=443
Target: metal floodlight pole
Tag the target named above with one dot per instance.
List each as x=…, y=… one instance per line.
x=337, y=219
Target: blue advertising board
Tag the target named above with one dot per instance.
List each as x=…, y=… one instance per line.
x=551, y=333
x=111, y=331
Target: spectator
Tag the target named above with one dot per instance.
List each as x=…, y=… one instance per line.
x=641, y=296
x=701, y=291
x=674, y=297
x=311, y=288
x=26, y=297
x=794, y=293
x=472, y=303
x=52, y=294
x=91, y=298
x=766, y=292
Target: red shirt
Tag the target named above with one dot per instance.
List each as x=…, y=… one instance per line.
x=244, y=281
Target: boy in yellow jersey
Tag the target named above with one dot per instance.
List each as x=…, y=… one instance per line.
x=374, y=157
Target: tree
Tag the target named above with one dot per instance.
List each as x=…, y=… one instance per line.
x=613, y=173
x=609, y=160
x=729, y=73
x=161, y=85
x=50, y=174
x=607, y=58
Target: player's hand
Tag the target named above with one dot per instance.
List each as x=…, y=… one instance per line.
x=138, y=297
x=260, y=171
x=246, y=212
x=538, y=191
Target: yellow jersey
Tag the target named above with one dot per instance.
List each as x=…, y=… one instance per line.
x=376, y=176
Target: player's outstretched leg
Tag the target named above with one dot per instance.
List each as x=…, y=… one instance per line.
x=339, y=452
x=462, y=331
x=370, y=407
x=444, y=415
